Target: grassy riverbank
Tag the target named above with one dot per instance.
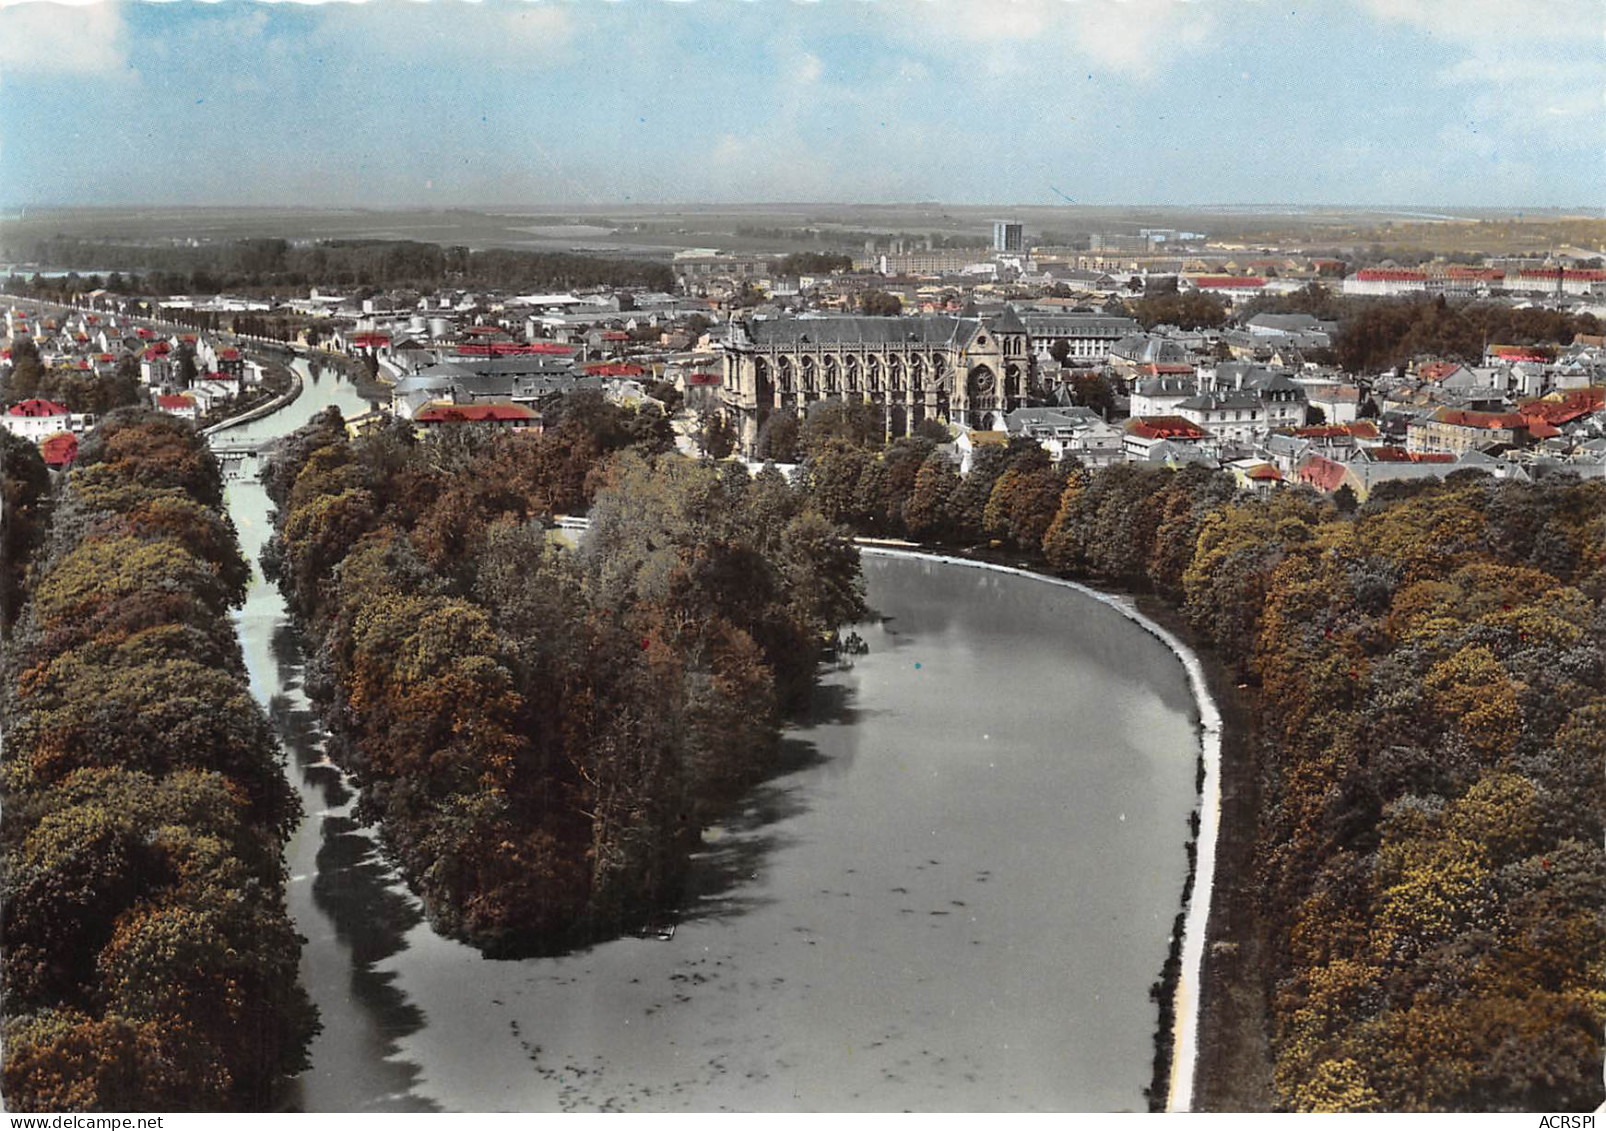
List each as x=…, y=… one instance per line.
x=1234, y=1068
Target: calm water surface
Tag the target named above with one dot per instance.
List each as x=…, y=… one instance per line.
x=955, y=894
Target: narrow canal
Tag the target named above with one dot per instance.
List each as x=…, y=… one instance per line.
x=955, y=895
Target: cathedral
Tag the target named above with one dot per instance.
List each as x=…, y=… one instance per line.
x=951, y=369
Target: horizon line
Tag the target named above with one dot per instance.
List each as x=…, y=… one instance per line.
x=1591, y=211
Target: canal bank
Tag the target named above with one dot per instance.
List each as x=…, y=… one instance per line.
x=1233, y=1070
x=262, y=410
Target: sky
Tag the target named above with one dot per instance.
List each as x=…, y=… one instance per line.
x=1454, y=103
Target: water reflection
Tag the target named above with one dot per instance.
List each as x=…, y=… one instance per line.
x=343, y=897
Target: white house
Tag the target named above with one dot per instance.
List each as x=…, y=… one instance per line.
x=37, y=418
x=181, y=405
x=1074, y=432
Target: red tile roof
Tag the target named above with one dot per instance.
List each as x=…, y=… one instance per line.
x=174, y=402
x=1518, y=353
x=1400, y=455
x=1165, y=428
x=511, y=349
x=1560, y=408
x=1390, y=275
x=1360, y=429
x=1321, y=473
x=475, y=413
x=613, y=369
x=1465, y=418
x=37, y=407
x=1591, y=275
x=59, y=450
x=1437, y=370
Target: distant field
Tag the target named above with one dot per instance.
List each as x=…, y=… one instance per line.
x=660, y=231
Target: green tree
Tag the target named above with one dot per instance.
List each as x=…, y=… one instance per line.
x=779, y=438
x=24, y=516
x=880, y=303
x=716, y=438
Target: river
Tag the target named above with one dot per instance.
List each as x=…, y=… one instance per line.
x=955, y=894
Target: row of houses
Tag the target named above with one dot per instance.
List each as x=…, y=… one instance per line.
x=182, y=372
x=1472, y=281
x=1327, y=457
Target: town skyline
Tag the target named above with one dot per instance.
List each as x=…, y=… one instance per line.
x=1373, y=103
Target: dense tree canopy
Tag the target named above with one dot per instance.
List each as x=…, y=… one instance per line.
x=542, y=732
x=813, y=263
x=1189, y=311
x=1381, y=334
x=149, y=961
x=82, y=390
x=274, y=263
x=24, y=517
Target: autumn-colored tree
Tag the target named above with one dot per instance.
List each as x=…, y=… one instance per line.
x=926, y=515
x=142, y=786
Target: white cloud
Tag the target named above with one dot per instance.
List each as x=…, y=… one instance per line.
x=463, y=31
x=1492, y=21
x=1528, y=72
x=78, y=38
x=543, y=27
x=1129, y=37
x=809, y=68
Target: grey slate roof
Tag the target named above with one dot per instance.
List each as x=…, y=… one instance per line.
x=1075, y=416
x=1177, y=451
x=1168, y=385
x=1291, y=323
x=1009, y=323
x=1147, y=349
x=865, y=330
x=1279, y=443
x=1272, y=381
x=1055, y=324
x=418, y=382
x=1231, y=398
x=530, y=364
